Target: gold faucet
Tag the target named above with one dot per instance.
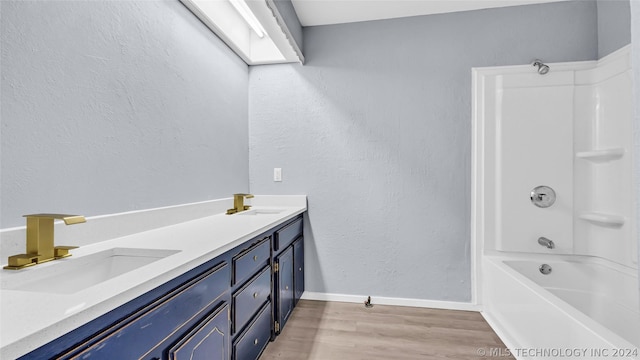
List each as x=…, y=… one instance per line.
x=238, y=203
x=40, y=246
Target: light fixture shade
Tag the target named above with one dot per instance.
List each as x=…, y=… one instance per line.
x=248, y=16
x=252, y=29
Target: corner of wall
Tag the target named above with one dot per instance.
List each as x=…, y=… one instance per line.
x=614, y=25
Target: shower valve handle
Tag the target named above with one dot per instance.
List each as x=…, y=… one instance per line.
x=543, y=196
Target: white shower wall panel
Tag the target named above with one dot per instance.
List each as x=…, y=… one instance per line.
x=584, y=117
x=613, y=125
x=534, y=128
x=603, y=185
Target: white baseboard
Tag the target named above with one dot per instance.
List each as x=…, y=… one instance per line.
x=380, y=300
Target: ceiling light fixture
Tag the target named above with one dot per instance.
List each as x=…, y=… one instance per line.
x=248, y=16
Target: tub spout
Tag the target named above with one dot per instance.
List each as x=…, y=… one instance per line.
x=546, y=242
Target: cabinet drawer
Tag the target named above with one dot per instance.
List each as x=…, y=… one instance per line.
x=209, y=340
x=250, y=297
x=152, y=325
x=249, y=346
x=247, y=262
x=287, y=234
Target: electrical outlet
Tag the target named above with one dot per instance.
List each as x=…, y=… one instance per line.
x=277, y=174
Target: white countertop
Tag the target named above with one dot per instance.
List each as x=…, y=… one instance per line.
x=32, y=319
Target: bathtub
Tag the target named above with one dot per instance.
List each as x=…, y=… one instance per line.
x=586, y=308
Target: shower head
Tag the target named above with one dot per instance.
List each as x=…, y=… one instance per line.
x=542, y=68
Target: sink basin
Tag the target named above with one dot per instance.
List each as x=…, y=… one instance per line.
x=71, y=275
x=261, y=212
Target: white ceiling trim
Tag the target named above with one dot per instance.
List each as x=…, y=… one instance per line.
x=326, y=12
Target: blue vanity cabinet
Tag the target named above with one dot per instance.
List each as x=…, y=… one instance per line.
x=227, y=308
x=284, y=286
x=298, y=269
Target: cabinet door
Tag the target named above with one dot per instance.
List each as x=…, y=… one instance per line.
x=208, y=341
x=298, y=268
x=284, y=287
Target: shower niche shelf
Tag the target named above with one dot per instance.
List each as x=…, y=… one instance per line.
x=602, y=219
x=603, y=155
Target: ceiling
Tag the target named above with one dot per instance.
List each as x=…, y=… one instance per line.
x=324, y=12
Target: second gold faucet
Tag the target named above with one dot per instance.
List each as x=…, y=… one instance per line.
x=238, y=203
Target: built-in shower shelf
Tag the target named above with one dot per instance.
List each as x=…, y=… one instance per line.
x=602, y=219
x=603, y=155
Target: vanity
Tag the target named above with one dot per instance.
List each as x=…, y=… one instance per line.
x=219, y=287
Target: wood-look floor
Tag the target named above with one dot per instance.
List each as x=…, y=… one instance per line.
x=319, y=330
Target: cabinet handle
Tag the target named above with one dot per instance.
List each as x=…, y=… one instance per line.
x=299, y=269
x=255, y=342
x=255, y=295
x=255, y=257
x=286, y=287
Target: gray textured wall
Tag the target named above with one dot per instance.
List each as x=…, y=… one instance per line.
x=376, y=129
x=109, y=106
x=614, y=22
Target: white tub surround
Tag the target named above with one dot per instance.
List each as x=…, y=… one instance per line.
x=196, y=232
x=570, y=130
